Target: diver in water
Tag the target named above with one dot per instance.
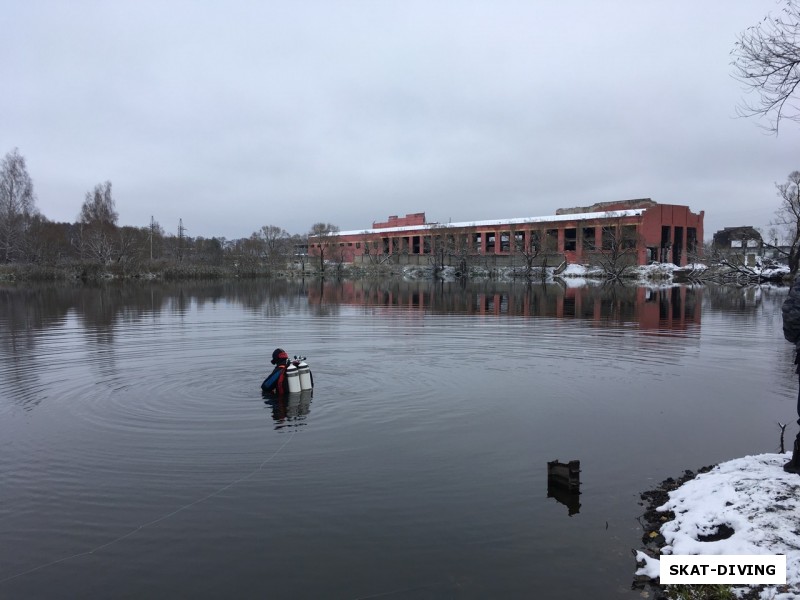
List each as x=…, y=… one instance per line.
x=276, y=382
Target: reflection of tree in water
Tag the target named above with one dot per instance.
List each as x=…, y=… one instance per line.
x=617, y=302
x=27, y=311
x=271, y=298
x=745, y=300
x=745, y=305
x=24, y=313
x=100, y=307
x=97, y=306
x=325, y=297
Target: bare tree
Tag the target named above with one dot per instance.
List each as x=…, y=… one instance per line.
x=535, y=245
x=787, y=220
x=617, y=250
x=97, y=235
x=99, y=206
x=374, y=255
x=767, y=62
x=325, y=237
x=461, y=245
x=130, y=246
x=437, y=250
x=244, y=254
x=209, y=251
x=298, y=245
x=17, y=204
x=100, y=245
x=450, y=246
x=47, y=242
x=275, y=244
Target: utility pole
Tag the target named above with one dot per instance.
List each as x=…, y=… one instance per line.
x=181, y=231
x=152, y=230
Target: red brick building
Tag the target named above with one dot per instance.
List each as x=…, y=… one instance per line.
x=642, y=230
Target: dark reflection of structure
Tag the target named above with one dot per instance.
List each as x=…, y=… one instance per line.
x=94, y=312
x=564, y=483
x=291, y=410
x=741, y=301
x=669, y=308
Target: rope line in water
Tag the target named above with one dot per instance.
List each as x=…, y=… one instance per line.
x=158, y=520
x=400, y=591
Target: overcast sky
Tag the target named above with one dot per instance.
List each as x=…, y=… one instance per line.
x=231, y=115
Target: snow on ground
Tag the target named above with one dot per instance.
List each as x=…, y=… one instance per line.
x=756, y=498
x=576, y=275
x=576, y=270
x=771, y=272
x=646, y=273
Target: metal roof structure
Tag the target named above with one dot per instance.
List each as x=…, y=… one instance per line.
x=610, y=214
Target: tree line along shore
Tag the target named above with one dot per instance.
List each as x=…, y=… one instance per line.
x=95, y=247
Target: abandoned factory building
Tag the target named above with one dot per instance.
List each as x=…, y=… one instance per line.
x=643, y=231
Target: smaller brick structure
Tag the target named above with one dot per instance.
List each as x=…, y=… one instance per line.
x=395, y=221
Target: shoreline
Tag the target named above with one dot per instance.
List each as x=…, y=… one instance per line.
x=743, y=506
x=161, y=271
x=651, y=521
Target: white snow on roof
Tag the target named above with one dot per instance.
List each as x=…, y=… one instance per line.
x=611, y=214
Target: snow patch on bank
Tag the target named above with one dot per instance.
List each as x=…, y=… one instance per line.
x=576, y=275
x=754, y=497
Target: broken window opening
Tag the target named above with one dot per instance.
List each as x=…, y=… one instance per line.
x=629, y=237
x=691, y=240
x=551, y=240
x=609, y=237
x=677, y=246
x=588, y=238
x=570, y=239
x=505, y=241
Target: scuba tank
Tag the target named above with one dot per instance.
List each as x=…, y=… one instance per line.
x=306, y=381
x=292, y=379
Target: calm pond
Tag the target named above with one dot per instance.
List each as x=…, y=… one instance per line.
x=139, y=459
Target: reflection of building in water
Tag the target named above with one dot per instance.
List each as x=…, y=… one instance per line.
x=673, y=308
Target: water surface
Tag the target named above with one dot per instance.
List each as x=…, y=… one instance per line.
x=140, y=460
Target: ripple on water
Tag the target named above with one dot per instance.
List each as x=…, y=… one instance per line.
x=418, y=420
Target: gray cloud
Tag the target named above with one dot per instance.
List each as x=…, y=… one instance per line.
x=238, y=114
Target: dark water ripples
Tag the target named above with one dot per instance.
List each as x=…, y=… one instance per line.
x=146, y=439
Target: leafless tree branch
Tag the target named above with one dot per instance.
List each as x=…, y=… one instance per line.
x=767, y=62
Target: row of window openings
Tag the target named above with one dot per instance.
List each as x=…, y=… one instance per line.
x=534, y=241
x=609, y=236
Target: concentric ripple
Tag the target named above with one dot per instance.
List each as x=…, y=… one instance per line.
x=139, y=458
